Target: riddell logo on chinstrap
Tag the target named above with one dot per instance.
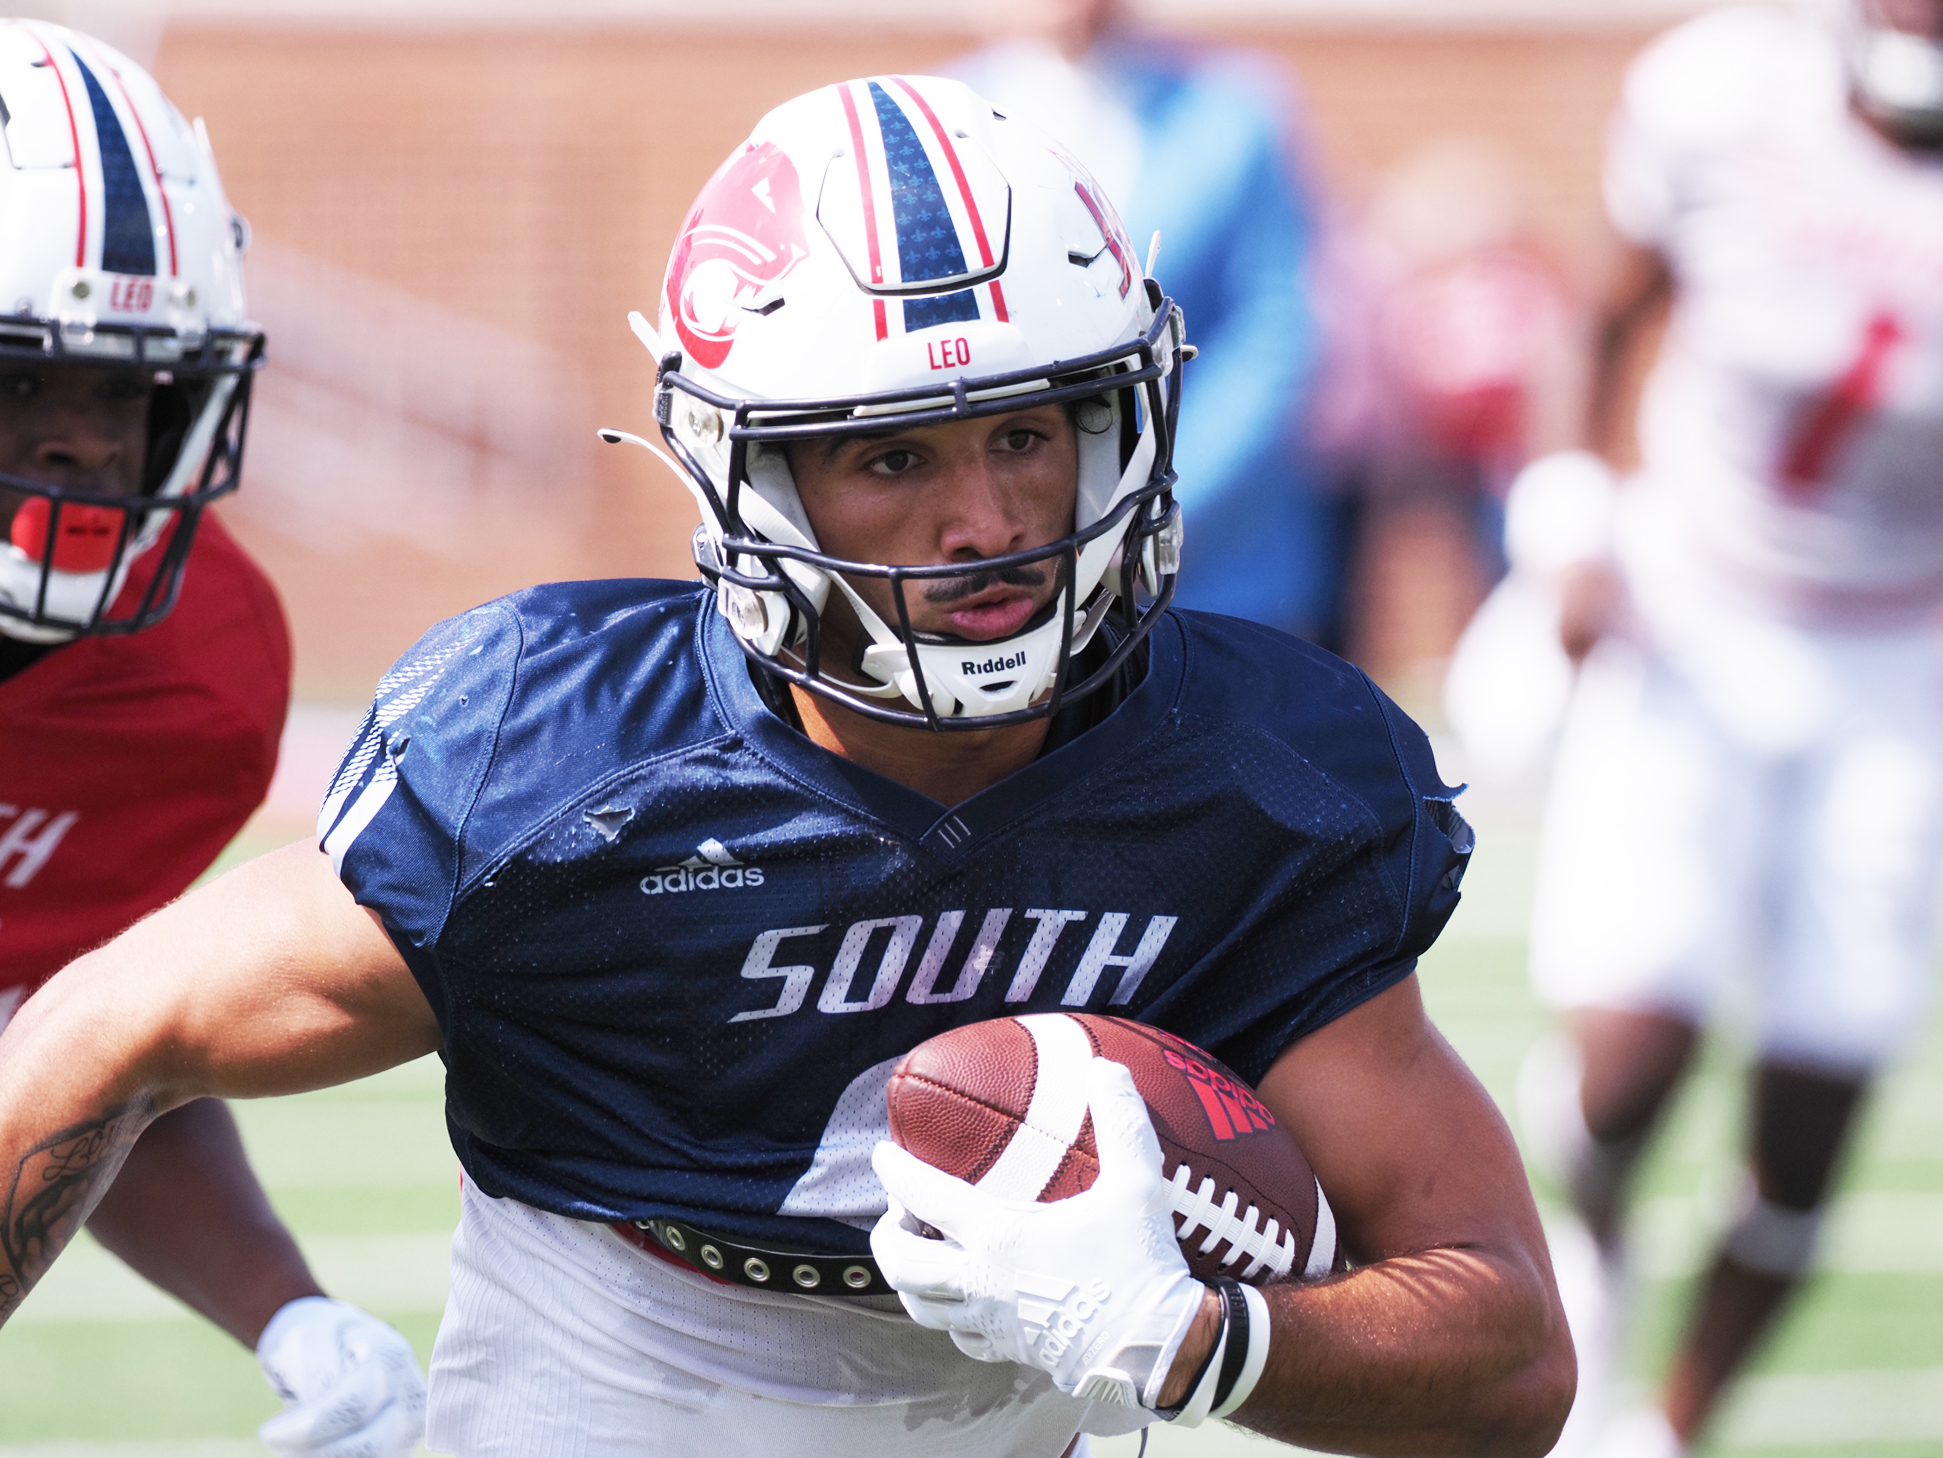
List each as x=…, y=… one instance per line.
x=1232, y=1110
x=993, y=665
x=711, y=868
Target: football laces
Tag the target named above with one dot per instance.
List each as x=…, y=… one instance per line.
x=1265, y=1245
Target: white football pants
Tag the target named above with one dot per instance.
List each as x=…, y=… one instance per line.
x=562, y=1340
x=1758, y=795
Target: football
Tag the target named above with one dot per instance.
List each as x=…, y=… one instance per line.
x=1003, y=1105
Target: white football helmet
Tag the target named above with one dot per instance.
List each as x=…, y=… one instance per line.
x=1895, y=60
x=118, y=251
x=894, y=247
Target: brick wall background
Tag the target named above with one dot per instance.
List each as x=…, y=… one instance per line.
x=514, y=193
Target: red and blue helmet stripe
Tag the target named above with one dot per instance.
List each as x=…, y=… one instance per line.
x=127, y=230
x=927, y=237
x=931, y=241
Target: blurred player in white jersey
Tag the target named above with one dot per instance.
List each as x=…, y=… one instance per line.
x=1752, y=762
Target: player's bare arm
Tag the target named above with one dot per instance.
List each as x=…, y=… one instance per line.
x=1447, y=1336
x=187, y=1214
x=269, y=980
x=1630, y=312
x=1631, y=308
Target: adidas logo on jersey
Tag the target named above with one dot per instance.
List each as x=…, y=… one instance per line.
x=711, y=868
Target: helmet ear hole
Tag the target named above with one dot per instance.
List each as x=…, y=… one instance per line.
x=1092, y=415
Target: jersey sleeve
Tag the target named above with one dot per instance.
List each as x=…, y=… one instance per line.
x=1639, y=193
x=394, y=819
x=1400, y=887
x=1367, y=850
x=1428, y=858
x=1687, y=94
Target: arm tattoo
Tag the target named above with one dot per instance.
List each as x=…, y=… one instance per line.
x=51, y=1190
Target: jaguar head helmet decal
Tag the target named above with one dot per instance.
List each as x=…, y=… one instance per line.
x=743, y=236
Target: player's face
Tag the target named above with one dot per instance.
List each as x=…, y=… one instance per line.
x=71, y=426
x=1918, y=17
x=959, y=492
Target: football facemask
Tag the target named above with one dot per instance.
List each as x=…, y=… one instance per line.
x=893, y=250
x=1894, y=50
x=131, y=271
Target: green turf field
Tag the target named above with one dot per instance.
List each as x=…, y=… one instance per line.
x=99, y=1366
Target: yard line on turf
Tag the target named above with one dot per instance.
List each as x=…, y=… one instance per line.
x=1836, y=1408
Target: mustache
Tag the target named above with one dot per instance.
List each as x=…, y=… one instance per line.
x=957, y=589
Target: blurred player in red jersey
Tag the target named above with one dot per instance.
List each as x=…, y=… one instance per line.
x=1752, y=761
x=144, y=664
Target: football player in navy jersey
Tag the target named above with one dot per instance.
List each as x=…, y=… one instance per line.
x=671, y=877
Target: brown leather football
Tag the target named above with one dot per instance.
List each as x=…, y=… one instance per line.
x=1003, y=1105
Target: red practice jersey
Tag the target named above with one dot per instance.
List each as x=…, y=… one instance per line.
x=128, y=763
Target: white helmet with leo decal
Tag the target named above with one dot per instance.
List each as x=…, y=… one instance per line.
x=893, y=247
x=120, y=266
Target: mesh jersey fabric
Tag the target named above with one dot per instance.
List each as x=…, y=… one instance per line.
x=674, y=947
x=128, y=762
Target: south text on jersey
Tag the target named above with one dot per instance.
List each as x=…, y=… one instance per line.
x=796, y=956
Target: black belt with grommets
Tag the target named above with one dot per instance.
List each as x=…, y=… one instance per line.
x=800, y=1272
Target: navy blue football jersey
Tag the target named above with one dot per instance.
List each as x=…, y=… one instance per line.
x=675, y=948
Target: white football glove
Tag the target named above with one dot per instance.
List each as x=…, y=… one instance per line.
x=1092, y=1289
x=350, y=1384
x=1559, y=513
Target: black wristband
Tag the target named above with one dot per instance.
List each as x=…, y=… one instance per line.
x=1194, y=1384
x=1235, y=1322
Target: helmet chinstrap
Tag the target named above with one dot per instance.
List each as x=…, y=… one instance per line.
x=1130, y=516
